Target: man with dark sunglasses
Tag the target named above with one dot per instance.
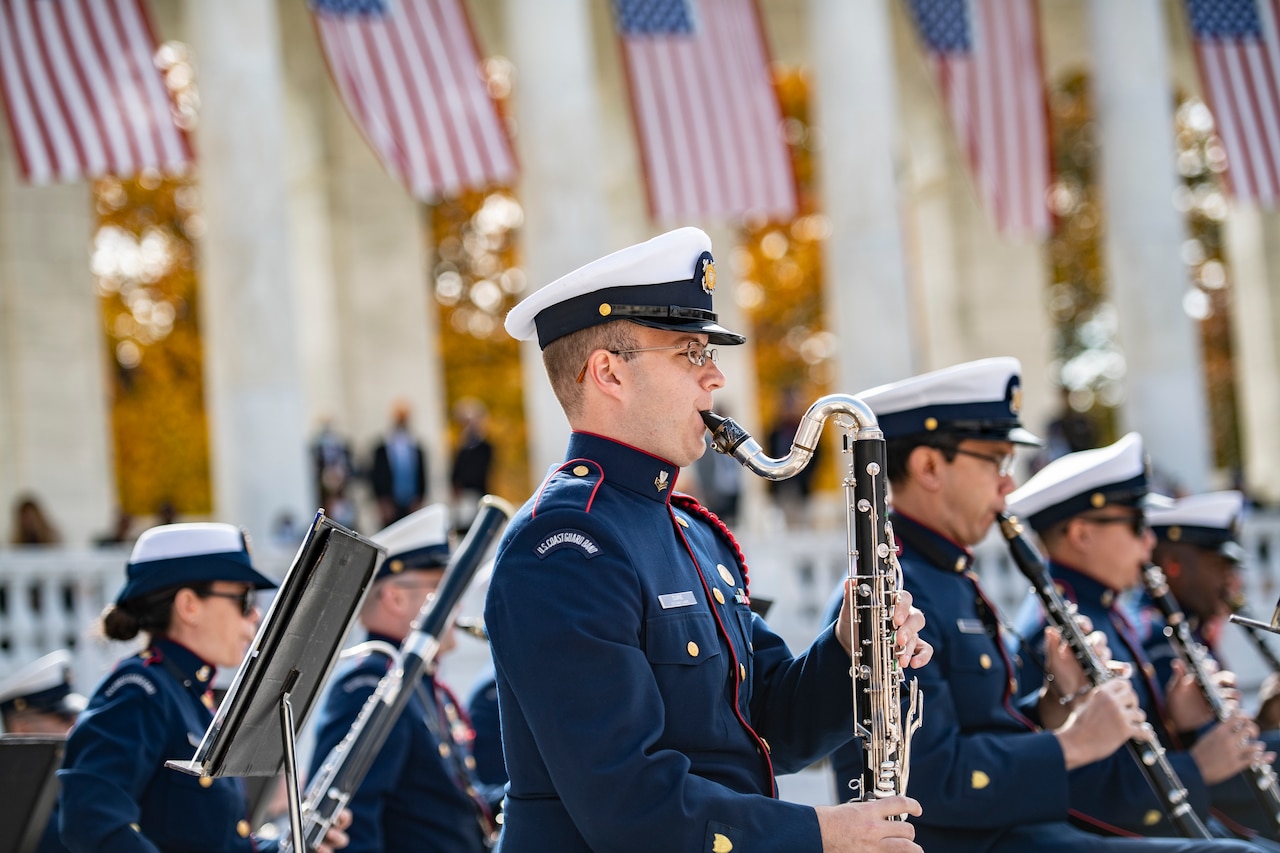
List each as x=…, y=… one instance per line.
x=1088, y=510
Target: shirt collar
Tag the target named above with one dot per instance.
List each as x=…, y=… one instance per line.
x=625, y=466
x=191, y=665
x=1084, y=589
x=938, y=550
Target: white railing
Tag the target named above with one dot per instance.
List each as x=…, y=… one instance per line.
x=51, y=598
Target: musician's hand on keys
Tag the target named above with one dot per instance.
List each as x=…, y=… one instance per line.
x=912, y=651
x=865, y=827
x=1101, y=722
x=336, y=838
x=1228, y=748
x=1188, y=708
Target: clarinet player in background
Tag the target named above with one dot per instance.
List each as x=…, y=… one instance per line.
x=643, y=705
x=1088, y=510
x=1199, y=560
x=991, y=775
x=420, y=793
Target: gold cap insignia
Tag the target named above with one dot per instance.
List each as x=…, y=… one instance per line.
x=19, y=704
x=396, y=566
x=1174, y=534
x=979, y=780
x=930, y=424
x=660, y=482
x=1098, y=500
x=709, y=276
x=720, y=844
x=1015, y=400
x=605, y=309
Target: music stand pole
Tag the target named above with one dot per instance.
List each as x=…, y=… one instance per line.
x=292, y=788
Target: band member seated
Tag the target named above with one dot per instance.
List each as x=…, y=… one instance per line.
x=643, y=705
x=1087, y=508
x=420, y=792
x=190, y=588
x=991, y=774
x=38, y=699
x=1200, y=557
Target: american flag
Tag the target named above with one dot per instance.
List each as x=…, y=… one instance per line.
x=409, y=72
x=706, y=112
x=986, y=58
x=1238, y=50
x=83, y=94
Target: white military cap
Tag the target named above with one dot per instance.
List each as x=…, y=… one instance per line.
x=419, y=541
x=1210, y=520
x=186, y=553
x=666, y=283
x=978, y=399
x=1115, y=475
x=43, y=685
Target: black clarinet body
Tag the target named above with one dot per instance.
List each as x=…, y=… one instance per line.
x=1147, y=752
x=1261, y=776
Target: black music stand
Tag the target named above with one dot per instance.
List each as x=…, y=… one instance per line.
x=28, y=788
x=253, y=732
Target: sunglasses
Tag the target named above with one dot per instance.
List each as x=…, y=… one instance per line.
x=248, y=599
x=1137, y=521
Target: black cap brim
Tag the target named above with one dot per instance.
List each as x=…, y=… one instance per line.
x=716, y=334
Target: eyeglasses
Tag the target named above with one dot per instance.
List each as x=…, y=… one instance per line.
x=696, y=351
x=1004, y=464
x=248, y=599
x=1137, y=521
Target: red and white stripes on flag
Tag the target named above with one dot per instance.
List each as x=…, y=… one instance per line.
x=1237, y=48
x=705, y=108
x=83, y=95
x=986, y=58
x=409, y=73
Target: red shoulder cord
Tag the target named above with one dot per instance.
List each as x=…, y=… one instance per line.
x=690, y=504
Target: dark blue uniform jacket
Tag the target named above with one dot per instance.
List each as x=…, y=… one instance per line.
x=116, y=795
x=409, y=800
x=644, y=707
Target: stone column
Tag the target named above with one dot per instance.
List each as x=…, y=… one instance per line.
x=562, y=177
x=1165, y=385
x=389, y=340
x=254, y=381
x=54, y=430
x=1253, y=250
x=856, y=109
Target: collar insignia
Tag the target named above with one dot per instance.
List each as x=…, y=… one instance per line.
x=660, y=481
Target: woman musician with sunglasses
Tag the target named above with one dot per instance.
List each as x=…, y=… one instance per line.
x=190, y=588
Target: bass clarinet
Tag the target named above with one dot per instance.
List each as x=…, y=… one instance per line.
x=1147, y=751
x=874, y=575
x=1262, y=778
x=346, y=765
